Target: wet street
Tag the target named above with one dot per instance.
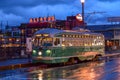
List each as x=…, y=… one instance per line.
x=99, y=70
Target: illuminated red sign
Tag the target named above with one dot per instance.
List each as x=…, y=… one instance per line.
x=79, y=17
x=42, y=19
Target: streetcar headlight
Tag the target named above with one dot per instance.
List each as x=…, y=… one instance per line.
x=34, y=51
x=48, y=51
x=40, y=53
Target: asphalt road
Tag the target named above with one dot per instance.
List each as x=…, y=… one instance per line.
x=99, y=70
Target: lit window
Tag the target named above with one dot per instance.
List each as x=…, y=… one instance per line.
x=63, y=35
x=45, y=35
x=17, y=40
x=76, y=36
x=79, y=36
x=73, y=35
x=70, y=35
x=39, y=35
x=10, y=39
x=22, y=31
x=3, y=39
x=66, y=35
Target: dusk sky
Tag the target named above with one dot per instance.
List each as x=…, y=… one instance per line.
x=19, y=11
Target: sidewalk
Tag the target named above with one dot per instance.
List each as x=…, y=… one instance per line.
x=13, y=62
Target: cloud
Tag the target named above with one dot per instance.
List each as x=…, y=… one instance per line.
x=19, y=11
x=12, y=19
x=108, y=0
x=35, y=8
x=31, y=3
x=59, y=11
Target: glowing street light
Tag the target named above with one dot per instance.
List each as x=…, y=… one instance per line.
x=82, y=1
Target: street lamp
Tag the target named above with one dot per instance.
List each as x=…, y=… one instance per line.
x=83, y=1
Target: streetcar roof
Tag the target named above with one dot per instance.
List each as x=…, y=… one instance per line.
x=76, y=32
x=49, y=31
x=56, y=32
x=80, y=33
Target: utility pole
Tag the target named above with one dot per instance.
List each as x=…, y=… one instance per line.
x=82, y=2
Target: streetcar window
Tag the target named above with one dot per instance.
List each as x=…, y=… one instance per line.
x=38, y=35
x=45, y=35
x=47, y=42
x=57, y=41
x=36, y=41
x=63, y=43
x=74, y=36
x=63, y=35
x=42, y=41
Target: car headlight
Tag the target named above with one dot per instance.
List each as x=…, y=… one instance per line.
x=40, y=53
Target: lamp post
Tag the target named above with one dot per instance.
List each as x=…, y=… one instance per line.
x=83, y=1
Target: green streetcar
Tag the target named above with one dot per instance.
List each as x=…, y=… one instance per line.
x=62, y=46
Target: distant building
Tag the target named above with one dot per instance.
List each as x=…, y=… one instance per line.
x=111, y=33
x=73, y=21
x=10, y=42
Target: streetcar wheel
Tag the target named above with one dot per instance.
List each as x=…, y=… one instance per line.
x=96, y=58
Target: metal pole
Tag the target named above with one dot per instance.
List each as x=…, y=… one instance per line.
x=83, y=15
x=83, y=12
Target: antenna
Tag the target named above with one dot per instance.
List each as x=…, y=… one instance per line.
x=1, y=26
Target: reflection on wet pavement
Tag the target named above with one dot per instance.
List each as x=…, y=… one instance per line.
x=85, y=71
